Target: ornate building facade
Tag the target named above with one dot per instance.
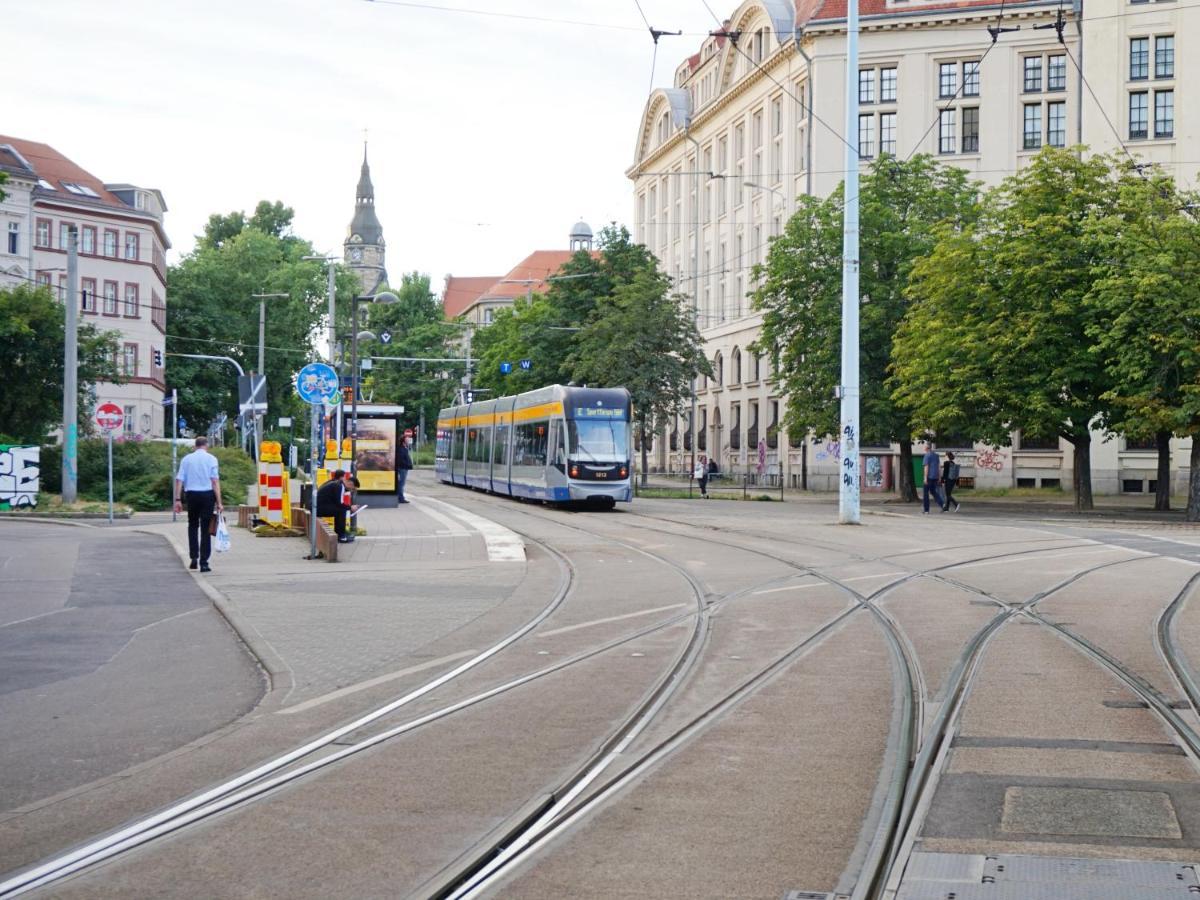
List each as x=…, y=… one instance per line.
x=755, y=118
x=365, y=249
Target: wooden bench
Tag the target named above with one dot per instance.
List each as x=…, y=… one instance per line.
x=327, y=543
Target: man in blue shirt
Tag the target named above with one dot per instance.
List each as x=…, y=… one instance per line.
x=933, y=474
x=198, y=481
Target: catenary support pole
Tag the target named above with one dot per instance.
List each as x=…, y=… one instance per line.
x=174, y=443
x=848, y=476
x=70, y=437
x=110, y=485
x=314, y=461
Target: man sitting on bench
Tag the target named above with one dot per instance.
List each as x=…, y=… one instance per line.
x=333, y=499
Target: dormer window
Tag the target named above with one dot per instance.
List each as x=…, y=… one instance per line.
x=81, y=189
x=45, y=185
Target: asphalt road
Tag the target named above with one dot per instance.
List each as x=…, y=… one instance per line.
x=110, y=655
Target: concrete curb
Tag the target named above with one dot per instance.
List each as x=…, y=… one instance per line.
x=279, y=676
x=48, y=520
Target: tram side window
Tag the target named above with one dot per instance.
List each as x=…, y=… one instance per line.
x=480, y=444
x=443, y=443
x=500, y=451
x=459, y=434
x=530, y=445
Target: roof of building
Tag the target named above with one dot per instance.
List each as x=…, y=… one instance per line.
x=365, y=223
x=530, y=274
x=581, y=230
x=11, y=161
x=63, y=177
x=833, y=10
x=459, y=293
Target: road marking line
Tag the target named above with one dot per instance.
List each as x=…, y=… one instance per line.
x=503, y=545
x=632, y=615
x=450, y=524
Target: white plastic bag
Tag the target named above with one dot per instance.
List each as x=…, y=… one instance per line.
x=222, y=542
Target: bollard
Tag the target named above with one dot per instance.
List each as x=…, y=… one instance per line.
x=275, y=512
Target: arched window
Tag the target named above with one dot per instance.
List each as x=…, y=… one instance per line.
x=735, y=367
x=758, y=368
x=718, y=374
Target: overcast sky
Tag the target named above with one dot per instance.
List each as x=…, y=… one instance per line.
x=489, y=135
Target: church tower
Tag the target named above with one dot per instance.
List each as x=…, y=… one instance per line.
x=364, y=248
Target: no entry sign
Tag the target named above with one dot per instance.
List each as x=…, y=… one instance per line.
x=109, y=416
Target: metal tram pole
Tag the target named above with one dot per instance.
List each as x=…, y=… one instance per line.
x=70, y=438
x=687, y=134
x=110, y=481
x=174, y=443
x=312, y=482
x=848, y=490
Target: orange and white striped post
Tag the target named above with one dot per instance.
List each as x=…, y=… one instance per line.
x=274, y=511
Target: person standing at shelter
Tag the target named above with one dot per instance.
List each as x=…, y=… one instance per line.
x=333, y=500
x=198, y=482
x=950, y=472
x=701, y=474
x=403, y=464
x=933, y=474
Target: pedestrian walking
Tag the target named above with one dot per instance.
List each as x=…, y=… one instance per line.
x=403, y=464
x=198, y=483
x=933, y=473
x=701, y=475
x=333, y=499
x=950, y=472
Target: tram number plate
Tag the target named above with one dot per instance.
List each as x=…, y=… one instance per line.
x=601, y=474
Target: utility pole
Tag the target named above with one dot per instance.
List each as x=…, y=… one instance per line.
x=262, y=363
x=70, y=473
x=687, y=133
x=848, y=476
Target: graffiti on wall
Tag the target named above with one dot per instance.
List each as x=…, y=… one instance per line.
x=989, y=459
x=19, y=475
x=829, y=450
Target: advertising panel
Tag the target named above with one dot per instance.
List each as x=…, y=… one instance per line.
x=376, y=454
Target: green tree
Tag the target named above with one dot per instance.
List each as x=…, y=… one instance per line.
x=32, y=337
x=646, y=340
x=212, y=311
x=1147, y=327
x=995, y=338
x=901, y=205
x=418, y=330
x=3, y=180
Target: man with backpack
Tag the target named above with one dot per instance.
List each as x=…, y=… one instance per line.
x=950, y=472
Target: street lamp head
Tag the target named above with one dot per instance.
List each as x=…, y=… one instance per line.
x=365, y=336
x=386, y=297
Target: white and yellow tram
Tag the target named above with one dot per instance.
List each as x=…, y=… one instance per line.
x=557, y=444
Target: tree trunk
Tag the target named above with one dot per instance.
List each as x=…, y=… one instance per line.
x=1193, y=501
x=1162, y=490
x=1083, y=471
x=642, y=431
x=905, y=482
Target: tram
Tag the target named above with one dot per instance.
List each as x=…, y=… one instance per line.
x=556, y=444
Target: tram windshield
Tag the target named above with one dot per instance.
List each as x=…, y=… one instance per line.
x=599, y=440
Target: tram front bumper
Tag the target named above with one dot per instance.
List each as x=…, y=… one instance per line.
x=599, y=490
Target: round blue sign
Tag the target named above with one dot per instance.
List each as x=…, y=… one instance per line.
x=316, y=383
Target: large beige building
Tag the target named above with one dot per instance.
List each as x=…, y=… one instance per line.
x=756, y=119
x=122, y=265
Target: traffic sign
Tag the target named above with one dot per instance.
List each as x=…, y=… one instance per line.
x=109, y=416
x=316, y=383
x=527, y=364
x=385, y=336
x=505, y=368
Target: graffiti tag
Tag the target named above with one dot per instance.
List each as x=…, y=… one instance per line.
x=989, y=459
x=19, y=476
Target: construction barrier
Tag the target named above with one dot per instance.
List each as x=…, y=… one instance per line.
x=273, y=492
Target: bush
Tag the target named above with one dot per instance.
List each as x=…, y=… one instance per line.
x=141, y=472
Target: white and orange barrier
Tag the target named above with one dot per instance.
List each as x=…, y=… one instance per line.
x=273, y=486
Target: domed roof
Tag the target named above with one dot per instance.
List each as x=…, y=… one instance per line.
x=581, y=231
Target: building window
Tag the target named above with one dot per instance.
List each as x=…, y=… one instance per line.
x=866, y=136
x=129, y=360
x=87, y=299
x=947, y=78
x=1164, y=114
x=130, y=416
x=887, y=85
x=1056, y=72
x=42, y=234
x=970, y=129
x=1033, y=73
x=1056, y=124
x=866, y=85
x=1138, y=114
x=64, y=235
x=158, y=312
x=131, y=246
x=946, y=131
x=87, y=242
x=110, y=243
x=1139, y=58
x=110, y=298
x=131, y=300
x=777, y=139
x=971, y=79
x=887, y=133
x=14, y=237
x=1164, y=56
x=1032, y=133
x=43, y=279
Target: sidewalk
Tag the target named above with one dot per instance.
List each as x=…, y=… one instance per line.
x=422, y=572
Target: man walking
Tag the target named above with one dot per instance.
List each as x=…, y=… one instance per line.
x=403, y=464
x=933, y=473
x=198, y=482
x=950, y=472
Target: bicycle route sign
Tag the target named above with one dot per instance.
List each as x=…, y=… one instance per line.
x=317, y=383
